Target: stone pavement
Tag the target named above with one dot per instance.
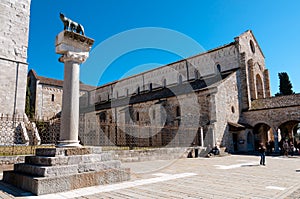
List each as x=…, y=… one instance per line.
x=235, y=176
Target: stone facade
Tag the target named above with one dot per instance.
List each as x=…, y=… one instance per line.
x=173, y=104
x=14, y=18
x=46, y=95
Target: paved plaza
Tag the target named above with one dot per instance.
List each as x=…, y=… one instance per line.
x=235, y=176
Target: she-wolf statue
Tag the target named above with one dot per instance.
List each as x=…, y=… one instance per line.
x=71, y=25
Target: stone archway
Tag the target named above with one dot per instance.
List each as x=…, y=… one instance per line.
x=289, y=131
x=262, y=134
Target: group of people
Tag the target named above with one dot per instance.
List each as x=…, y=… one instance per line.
x=286, y=147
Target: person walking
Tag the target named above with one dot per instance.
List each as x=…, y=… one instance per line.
x=262, y=152
x=286, y=148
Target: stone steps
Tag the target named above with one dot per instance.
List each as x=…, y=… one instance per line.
x=50, y=171
x=47, y=185
x=69, y=160
x=62, y=169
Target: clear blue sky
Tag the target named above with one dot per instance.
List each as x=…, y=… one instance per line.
x=210, y=23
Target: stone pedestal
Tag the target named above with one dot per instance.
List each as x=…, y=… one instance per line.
x=70, y=166
x=74, y=49
x=63, y=169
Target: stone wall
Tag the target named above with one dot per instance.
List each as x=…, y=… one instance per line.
x=210, y=91
x=254, y=77
x=273, y=117
x=199, y=66
x=227, y=102
x=51, y=97
x=276, y=102
x=14, y=18
x=46, y=97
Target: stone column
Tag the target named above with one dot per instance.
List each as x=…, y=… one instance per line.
x=276, y=141
x=74, y=49
x=201, y=136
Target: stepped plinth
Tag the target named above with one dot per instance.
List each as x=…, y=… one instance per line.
x=70, y=165
x=63, y=169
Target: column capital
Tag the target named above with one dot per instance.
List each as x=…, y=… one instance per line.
x=78, y=57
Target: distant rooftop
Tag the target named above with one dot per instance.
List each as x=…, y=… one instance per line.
x=59, y=83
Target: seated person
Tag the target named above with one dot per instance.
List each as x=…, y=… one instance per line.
x=214, y=151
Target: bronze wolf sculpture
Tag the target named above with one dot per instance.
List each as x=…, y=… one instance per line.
x=71, y=25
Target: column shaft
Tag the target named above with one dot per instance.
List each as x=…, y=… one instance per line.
x=70, y=106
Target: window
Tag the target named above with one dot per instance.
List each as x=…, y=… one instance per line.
x=196, y=74
x=164, y=83
x=137, y=116
x=52, y=98
x=252, y=46
x=150, y=86
x=138, y=90
x=102, y=117
x=180, y=79
x=219, y=68
x=178, y=111
x=153, y=114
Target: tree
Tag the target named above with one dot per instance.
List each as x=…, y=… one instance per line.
x=29, y=109
x=285, y=85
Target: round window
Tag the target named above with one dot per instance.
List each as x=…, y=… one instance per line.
x=252, y=46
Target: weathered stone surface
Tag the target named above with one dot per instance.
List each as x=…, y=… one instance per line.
x=14, y=18
x=44, y=171
x=66, y=169
x=67, y=151
x=42, y=185
x=67, y=41
x=51, y=171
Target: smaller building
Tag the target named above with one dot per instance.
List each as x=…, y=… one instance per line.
x=46, y=95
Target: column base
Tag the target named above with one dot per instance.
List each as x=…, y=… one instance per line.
x=68, y=143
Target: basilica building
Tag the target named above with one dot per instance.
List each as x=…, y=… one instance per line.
x=204, y=100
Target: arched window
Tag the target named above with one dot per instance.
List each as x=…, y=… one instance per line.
x=138, y=90
x=218, y=68
x=137, y=116
x=150, y=87
x=180, y=79
x=196, y=74
x=52, y=98
x=252, y=46
x=259, y=87
x=164, y=83
x=102, y=117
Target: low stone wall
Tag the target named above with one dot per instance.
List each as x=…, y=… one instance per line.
x=156, y=154
x=276, y=102
x=128, y=155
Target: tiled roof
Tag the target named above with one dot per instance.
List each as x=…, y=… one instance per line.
x=59, y=83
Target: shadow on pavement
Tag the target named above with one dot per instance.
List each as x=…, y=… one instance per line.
x=13, y=191
x=250, y=165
